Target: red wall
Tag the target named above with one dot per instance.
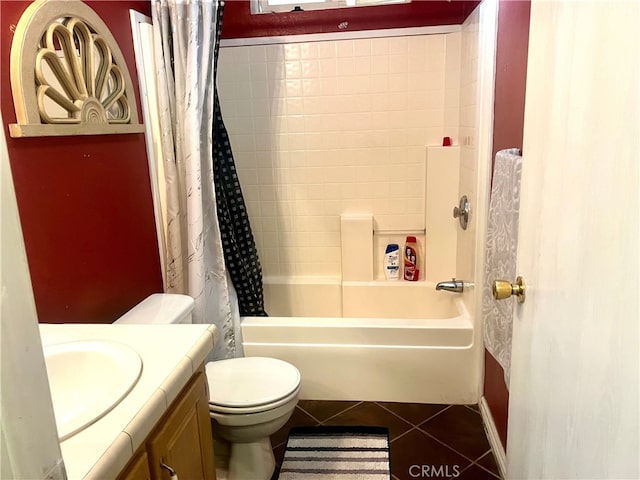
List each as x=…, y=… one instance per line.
x=239, y=23
x=508, y=122
x=511, y=73
x=85, y=201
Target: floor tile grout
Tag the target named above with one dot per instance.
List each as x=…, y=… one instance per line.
x=481, y=467
x=434, y=415
x=446, y=445
x=298, y=406
x=486, y=470
x=472, y=409
x=488, y=452
x=409, y=421
x=402, y=434
x=484, y=454
x=340, y=413
x=396, y=414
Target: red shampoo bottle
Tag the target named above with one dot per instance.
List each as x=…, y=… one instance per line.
x=411, y=260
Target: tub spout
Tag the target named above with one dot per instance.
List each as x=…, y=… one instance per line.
x=454, y=285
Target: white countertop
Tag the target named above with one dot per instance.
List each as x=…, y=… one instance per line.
x=170, y=355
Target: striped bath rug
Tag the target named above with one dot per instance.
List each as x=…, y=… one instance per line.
x=340, y=453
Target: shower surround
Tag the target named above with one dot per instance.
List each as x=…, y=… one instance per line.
x=337, y=145
x=320, y=129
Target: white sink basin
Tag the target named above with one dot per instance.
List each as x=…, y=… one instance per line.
x=87, y=379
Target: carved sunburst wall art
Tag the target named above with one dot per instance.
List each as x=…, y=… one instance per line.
x=68, y=75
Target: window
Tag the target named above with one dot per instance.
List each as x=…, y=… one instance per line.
x=274, y=6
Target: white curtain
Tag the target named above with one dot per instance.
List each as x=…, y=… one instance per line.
x=184, y=32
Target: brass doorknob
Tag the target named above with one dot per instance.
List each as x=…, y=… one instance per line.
x=503, y=289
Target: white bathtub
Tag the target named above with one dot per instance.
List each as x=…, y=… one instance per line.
x=397, y=341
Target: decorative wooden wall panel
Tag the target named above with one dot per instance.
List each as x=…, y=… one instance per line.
x=68, y=75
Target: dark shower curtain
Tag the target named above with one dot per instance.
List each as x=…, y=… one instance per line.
x=241, y=256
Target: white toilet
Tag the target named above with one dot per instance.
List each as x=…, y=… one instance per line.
x=249, y=398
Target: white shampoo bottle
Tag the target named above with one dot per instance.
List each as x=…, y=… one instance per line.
x=392, y=262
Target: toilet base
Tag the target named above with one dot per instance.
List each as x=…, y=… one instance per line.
x=252, y=461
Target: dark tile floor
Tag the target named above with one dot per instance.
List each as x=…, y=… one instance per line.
x=426, y=441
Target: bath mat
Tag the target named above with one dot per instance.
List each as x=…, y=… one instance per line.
x=338, y=453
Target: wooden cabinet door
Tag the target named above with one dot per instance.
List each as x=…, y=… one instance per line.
x=138, y=468
x=183, y=441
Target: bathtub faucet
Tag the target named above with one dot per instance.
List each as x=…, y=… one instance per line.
x=454, y=285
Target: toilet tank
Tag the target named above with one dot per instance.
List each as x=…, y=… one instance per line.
x=160, y=308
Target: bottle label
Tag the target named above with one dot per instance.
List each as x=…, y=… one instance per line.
x=411, y=271
x=392, y=264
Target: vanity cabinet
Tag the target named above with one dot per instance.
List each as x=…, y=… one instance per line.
x=181, y=441
x=138, y=468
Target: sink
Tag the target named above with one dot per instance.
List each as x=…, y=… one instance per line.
x=87, y=380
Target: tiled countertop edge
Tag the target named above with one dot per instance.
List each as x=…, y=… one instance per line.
x=120, y=452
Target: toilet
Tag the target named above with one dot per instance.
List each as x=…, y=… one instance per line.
x=250, y=398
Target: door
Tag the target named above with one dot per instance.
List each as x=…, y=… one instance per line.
x=573, y=409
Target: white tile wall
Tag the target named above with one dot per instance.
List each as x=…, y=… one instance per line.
x=469, y=131
x=319, y=129
x=453, y=42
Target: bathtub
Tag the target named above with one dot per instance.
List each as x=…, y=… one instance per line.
x=375, y=341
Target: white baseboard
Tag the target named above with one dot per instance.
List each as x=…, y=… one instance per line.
x=494, y=439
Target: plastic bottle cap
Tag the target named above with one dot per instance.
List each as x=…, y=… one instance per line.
x=411, y=239
x=392, y=247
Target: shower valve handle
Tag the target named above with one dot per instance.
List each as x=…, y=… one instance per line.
x=462, y=211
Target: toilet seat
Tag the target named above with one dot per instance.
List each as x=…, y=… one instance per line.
x=269, y=409
x=251, y=384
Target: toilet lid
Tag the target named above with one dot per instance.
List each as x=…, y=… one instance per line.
x=250, y=381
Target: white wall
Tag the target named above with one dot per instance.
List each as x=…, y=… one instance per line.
x=28, y=436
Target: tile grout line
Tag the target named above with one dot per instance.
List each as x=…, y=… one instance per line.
x=486, y=470
x=409, y=422
x=435, y=415
x=305, y=412
x=489, y=452
x=481, y=467
x=397, y=415
x=318, y=421
x=448, y=446
x=340, y=413
x=402, y=435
